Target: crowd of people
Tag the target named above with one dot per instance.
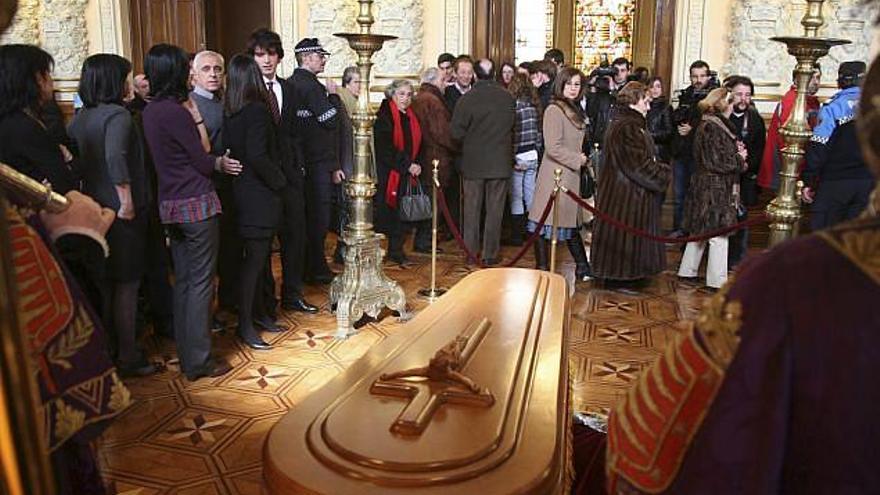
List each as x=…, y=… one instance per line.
x=207, y=163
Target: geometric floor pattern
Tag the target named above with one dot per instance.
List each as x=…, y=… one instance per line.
x=206, y=437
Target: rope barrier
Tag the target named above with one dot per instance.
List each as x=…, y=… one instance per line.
x=472, y=257
x=604, y=217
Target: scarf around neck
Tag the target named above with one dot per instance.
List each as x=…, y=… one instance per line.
x=414, y=128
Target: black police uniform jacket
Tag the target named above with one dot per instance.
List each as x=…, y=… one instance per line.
x=316, y=123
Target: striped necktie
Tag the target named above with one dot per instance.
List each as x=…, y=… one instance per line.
x=273, y=103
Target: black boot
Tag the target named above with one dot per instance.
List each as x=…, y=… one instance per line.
x=541, y=262
x=517, y=229
x=582, y=269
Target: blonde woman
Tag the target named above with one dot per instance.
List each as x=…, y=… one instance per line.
x=712, y=201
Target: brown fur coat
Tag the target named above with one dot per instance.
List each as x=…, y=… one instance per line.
x=710, y=202
x=629, y=188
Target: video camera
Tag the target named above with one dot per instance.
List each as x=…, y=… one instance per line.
x=690, y=96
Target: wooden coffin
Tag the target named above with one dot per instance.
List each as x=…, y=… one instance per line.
x=470, y=397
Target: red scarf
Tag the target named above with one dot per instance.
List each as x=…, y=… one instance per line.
x=414, y=128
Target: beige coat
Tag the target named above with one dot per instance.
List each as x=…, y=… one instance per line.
x=563, y=141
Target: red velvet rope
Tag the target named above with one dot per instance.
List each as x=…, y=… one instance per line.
x=456, y=233
x=604, y=217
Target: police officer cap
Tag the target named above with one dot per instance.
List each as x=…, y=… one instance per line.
x=309, y=45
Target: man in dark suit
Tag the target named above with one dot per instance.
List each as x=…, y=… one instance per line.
x=483, y=122
x=265, y=46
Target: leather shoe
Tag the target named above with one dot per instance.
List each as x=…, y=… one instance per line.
x=255, y=343
x=267, y=324
x=491, y=262
x=212, y=370
x=300, y=305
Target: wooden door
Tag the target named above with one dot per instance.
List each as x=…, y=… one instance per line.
x=179, y=22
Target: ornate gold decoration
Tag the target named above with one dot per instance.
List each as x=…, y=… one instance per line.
x=784, y=211
x=719, y=323
x=363, y=287
x=442, y=385
x=68, y=420
x=120, y=396
x=72, y=341
x=30, y=191
x=859, y=242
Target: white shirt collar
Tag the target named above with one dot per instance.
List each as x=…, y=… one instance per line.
x=204, y=93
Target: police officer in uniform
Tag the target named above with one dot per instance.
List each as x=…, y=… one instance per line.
x=317, y=124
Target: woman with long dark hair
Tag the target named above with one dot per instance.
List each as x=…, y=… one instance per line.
x=188, y=203
x=113, y=174
x=251, y=133
x=26, y=144
x=527, y=148
x=564, y=130
x=397, y=139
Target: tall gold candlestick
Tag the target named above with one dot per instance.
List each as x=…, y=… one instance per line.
x=784, y=211
x=362, y=287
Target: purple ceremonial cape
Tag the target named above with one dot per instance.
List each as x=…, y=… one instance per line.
x=776, y=390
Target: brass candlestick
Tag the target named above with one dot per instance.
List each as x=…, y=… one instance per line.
x=784, y=210
x=362, y=287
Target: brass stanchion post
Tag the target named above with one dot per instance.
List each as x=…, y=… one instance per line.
x=554, y=236
x=784, y=211
x=433, y=293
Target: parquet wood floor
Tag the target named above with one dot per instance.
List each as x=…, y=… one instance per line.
x=206, y=437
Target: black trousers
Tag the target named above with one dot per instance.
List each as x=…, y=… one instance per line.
x=839, y=200
x=319, y=210
x=229, y=257
x=293, y=244
x=252, y=276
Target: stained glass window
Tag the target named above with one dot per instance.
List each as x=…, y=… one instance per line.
x=603, y=29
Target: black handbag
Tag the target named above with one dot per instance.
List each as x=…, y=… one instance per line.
x=588, y=185
x=415, y=205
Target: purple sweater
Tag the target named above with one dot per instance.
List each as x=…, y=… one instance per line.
x=183, y=168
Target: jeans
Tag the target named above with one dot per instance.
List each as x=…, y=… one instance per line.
x=683, y=168
x=194, y=248
x=522, y=187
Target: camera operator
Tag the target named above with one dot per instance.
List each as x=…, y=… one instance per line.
x=599, y=107
x=686, y=117
x=622, y=68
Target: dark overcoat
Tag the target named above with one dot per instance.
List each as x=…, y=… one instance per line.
x=631, y=180
x=710, y=203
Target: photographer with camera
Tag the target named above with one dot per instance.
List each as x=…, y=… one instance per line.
x=686, y=117
x=599, y=107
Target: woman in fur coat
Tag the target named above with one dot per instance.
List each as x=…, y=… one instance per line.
x=629, y=187
x=712, y=199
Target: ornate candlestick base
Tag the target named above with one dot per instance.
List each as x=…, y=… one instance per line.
x=362, y=288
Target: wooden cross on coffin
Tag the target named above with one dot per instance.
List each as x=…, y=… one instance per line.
x=441, y=382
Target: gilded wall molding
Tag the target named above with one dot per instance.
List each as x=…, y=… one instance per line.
x=284, y=19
